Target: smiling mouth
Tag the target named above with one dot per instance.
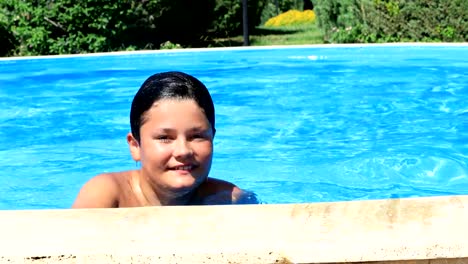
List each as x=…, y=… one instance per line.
x=184, y=167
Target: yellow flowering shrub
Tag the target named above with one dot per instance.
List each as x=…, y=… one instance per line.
x=291, y=17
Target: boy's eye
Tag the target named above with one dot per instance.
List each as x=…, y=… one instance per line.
x=163, y=138
x=197, y=136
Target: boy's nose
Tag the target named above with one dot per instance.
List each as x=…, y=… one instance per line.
x=182, y=149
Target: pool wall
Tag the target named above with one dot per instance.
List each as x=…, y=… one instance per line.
x=411, y=230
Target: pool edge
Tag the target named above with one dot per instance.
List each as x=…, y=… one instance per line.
x=346, y=45
x=422, y=230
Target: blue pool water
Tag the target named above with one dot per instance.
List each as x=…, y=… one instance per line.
x=295, y=124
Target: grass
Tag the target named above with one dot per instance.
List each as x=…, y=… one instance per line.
x=285, y=35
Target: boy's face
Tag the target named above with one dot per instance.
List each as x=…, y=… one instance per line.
x=176, y=146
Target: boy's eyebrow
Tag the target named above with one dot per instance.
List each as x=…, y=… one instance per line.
x=193, y=129
x=198, y=129
x=165, y=129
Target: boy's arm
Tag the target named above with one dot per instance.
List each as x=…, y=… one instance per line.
x=99, y=192
x=240, y=196
x=217, y=191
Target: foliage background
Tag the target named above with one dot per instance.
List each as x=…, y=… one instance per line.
x=42, y=27
x=364, y=21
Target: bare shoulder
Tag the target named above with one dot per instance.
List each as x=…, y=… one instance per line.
x=216, y=191
x=101, y=191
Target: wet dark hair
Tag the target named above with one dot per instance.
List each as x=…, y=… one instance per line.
x=169, y=85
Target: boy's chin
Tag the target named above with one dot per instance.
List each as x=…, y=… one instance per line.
x=185, y=185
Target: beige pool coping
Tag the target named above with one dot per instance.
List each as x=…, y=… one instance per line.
x=411, y=231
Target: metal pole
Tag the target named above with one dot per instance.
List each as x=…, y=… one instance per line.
x=245, y=22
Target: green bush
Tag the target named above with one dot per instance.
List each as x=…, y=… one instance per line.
x=64, y=26
x=363, y=21
x=54, y=27
x=42, y=27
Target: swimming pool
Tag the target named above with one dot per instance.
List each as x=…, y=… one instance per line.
x=294, y=124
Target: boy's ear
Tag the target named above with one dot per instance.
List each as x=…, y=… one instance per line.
x=134, y=147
